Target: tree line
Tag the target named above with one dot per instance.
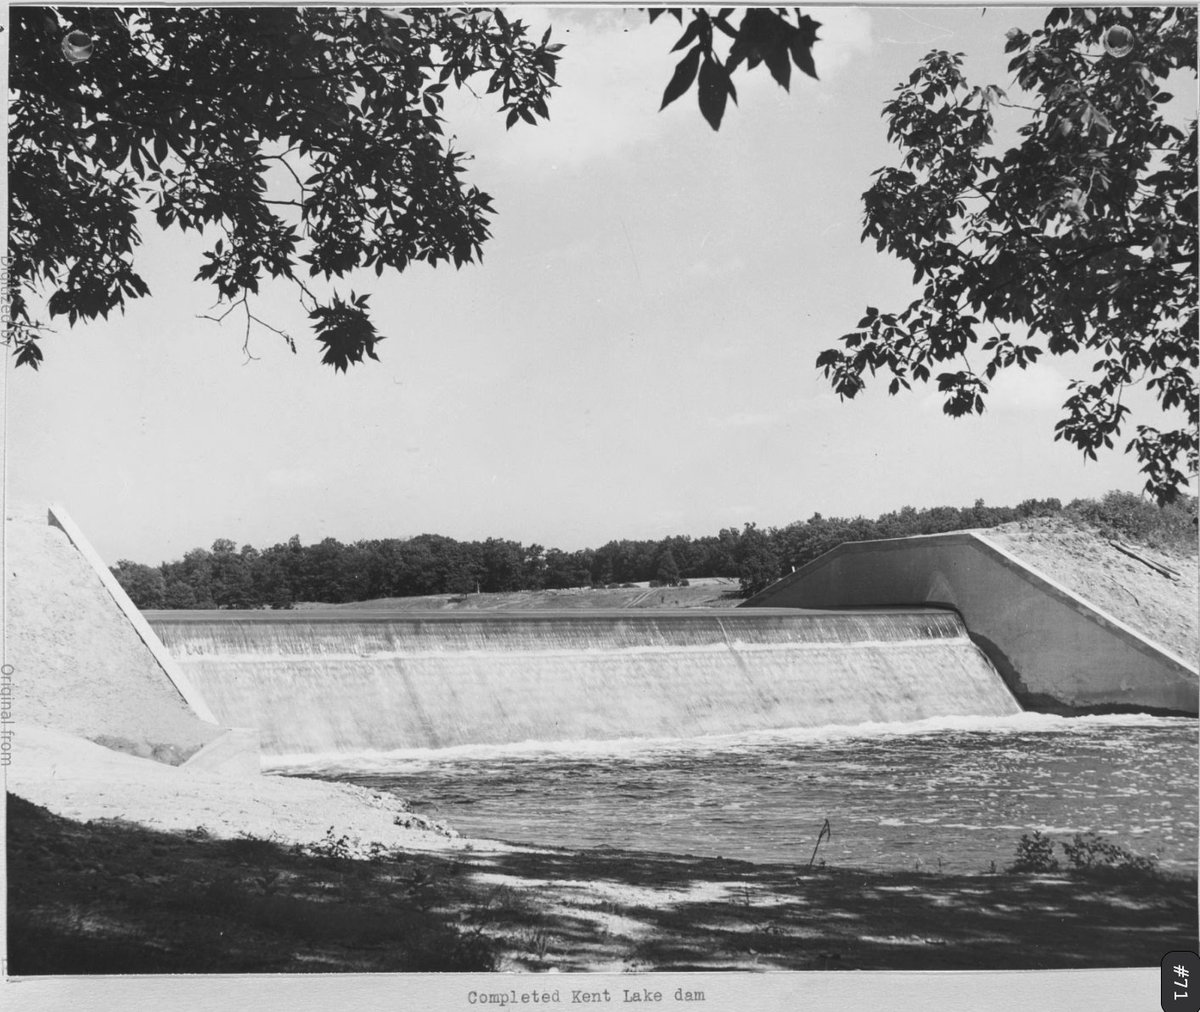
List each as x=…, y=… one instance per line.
x=331, y=572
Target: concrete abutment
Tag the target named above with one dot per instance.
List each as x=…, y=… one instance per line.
x=1057, y=652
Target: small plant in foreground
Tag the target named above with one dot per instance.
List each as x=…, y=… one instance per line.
x=332, y=847
x=1035, y=853
x=1088, y=852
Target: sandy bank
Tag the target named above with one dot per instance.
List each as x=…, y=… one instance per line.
x=79, y=780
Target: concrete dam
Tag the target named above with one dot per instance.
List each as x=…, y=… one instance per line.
x=318, y=682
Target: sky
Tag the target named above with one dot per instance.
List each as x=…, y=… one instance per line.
x=633, y=358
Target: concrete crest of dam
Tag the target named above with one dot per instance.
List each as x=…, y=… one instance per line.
x=315, y=683
x=889, y=631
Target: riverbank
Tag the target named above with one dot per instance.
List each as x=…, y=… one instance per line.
x=112, y=896
x=121, y=864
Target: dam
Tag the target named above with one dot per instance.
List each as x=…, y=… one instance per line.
x=734, y=733
x=329, y=682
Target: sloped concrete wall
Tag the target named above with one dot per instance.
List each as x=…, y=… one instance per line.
x=78, y=663
x=1056, y=652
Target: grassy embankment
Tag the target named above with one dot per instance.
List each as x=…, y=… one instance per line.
x=111, y=897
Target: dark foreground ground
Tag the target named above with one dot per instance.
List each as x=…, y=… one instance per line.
x=108, y=897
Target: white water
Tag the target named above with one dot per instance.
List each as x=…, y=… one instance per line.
x=325, y=686
x=956, y=791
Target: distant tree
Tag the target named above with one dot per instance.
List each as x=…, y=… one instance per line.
x=897, y=524
x=193, y=572
x=187, y=110
x=690, y=555
x=567, y=569
x=231, y=583
x=622, y=561
x=144, y=585
x=1081, y=238
x=533, y=568
x=269, y=579
x=723, y=553
x=666, y=569
x=1038, y=508
x=181, y=594
x=1127, y=516
x=602, y=570
x=757, y=560
x=503, y=563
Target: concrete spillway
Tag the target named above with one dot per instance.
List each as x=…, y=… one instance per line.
x=321, y=683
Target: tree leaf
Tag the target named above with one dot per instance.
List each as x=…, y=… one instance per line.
x=691, y=33
x=713, y=92
x=801, y=50
x=681, y=80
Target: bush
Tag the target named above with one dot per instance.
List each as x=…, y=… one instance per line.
x=1035, y=854
x=1088, y=852
x=1126, y=516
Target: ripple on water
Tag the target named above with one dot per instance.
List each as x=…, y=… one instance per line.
x=959, y=792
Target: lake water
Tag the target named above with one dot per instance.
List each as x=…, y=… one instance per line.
x=959, y=791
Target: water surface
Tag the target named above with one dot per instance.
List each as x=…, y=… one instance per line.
x=951, y=792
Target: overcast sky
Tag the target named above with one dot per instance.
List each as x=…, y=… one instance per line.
x=633, y=358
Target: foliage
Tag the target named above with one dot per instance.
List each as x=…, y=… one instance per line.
x=301, y=142
x=1081, y=238
x=144, y=585
x=336, y=573
x=186, y=110
x=1087, y=854
x=1035, y=854
x=667, y=569
x=1130, y=517
x=776, y=37
x=757, y=561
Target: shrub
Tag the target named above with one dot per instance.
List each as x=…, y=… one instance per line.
x=1129, y=517
x=1035, y=854
x=1089, y=852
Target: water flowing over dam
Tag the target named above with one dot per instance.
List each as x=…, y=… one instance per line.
x=320, y=683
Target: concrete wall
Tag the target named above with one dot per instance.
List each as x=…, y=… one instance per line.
x=82, y=657
x=58, y=517
x=1056, y=652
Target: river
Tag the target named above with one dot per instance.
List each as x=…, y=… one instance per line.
x=953, y=794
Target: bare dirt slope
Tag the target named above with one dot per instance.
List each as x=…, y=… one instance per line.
x=1163, y=608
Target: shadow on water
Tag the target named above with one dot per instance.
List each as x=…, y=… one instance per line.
x=110, y=897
